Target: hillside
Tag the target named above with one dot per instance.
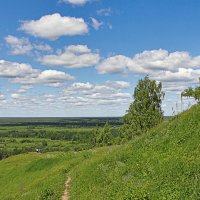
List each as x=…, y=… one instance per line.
x=161, y=164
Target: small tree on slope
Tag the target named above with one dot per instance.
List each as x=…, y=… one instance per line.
x=105, y=136
x=145, y=111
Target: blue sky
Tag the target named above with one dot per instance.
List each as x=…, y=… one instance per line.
x=84, y=57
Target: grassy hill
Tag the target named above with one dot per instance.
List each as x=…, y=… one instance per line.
x=161, y=164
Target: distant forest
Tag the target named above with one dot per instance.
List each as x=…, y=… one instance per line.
x=63, y=122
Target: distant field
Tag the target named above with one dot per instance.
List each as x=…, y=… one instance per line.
x=14, y=146
x=22, y=135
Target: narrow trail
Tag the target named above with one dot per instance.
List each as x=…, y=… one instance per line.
x=66, y=196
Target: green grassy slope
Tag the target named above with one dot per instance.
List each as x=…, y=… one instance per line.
x=39, y=176
x=31, y=176
x=161, y=164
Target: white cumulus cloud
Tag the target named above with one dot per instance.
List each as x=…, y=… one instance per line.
x=159, y=64
x=163, y=60
x=149, y=62
x=14, y=69
x=182, y=75
x=25, y=74
x=54, y=26
x=74, y=56
x=45, y=77
x=114, y=64
x=20, y=46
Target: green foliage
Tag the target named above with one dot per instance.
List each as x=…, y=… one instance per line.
x=16, y=146
x=59, y=122
x=16, y=137
x=190, y=92
x=94, y=136
x=44, y=143
x=47, y=194
x=81, y=134
x=145, y=111
x=102, y=137
x=105, y=136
